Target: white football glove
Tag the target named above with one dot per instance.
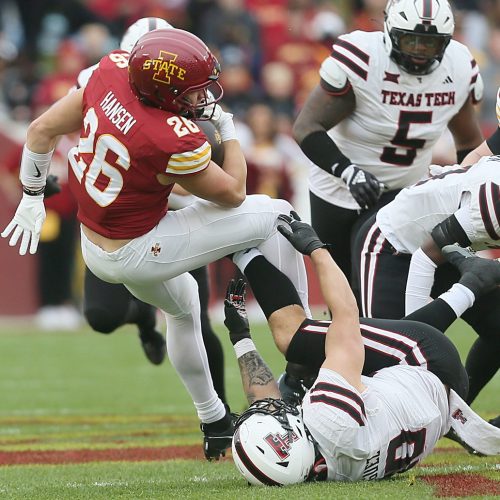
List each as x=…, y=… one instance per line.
x=27, y=221
x=222, y=120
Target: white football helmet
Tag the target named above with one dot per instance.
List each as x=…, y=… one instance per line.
x=419, y=23
x=271, y=445
x=139, y=28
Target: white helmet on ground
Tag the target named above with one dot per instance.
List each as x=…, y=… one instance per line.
x=271, y=445
x=413, y=25
x=139, y=28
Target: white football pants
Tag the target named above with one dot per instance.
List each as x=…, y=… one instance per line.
x=154, y=268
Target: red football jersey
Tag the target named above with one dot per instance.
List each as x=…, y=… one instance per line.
x=123, y=146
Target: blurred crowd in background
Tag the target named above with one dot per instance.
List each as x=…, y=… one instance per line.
x=270, y=52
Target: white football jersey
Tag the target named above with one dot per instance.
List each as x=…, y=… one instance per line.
x=398, y=117
x=388, y=428
x=471, y=193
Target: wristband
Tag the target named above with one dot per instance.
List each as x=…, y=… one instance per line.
x=243, y=347
x=33, y=192
x=34, y=168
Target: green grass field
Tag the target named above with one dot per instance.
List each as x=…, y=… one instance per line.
x=63, y=393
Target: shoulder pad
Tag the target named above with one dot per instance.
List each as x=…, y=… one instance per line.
x=477, y=89
x=333, y=74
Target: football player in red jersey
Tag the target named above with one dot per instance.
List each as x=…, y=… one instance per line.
x=137, y=140
x=107, y=306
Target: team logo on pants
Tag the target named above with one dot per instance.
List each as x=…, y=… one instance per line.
x=156, y=249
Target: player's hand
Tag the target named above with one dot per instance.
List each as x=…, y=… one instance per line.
x=222, y=120
x=478, y=274
x=364, y=186
x=302, y=236
x=52, y=186
x=235, y=313
x=27, y=222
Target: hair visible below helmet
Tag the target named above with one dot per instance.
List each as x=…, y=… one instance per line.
x=425, y=20
x=140, y=28
x=167, y=64
x=271, y=445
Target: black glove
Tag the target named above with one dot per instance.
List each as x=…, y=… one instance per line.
x=364, y=186
x=236, y=319
x=303, y=237
x=52, y=187
x=479, y=275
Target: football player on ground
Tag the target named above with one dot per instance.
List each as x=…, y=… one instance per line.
x=383, y=101
x=386, y=390
x=137, y=140
x=400, y=266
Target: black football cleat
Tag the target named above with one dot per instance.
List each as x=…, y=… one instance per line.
x=216, y=441
x=291, y=389
x=478, y=274
x=154, y=346
x=495, y=421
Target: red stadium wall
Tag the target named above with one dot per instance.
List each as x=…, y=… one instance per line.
x=18, y=295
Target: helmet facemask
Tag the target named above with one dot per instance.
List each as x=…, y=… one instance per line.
x=417, y=32
x=417, y=53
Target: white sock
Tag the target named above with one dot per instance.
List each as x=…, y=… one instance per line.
x=244, y=257
x=211, y=410
x=459, y=298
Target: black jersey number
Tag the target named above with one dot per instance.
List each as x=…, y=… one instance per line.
x=402, y=141
x=404, y=451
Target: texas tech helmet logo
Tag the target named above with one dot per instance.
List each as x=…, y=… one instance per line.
x=281, y=444
x=164, y=67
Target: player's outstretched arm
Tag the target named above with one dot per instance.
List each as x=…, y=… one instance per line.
x=344, y=350
x=257, y=379
x=63, y=117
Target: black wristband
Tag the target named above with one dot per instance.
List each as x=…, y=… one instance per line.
x=494, y=142
x=462, y=153
x=323, y=152
x=33, y=192
x=449, y=232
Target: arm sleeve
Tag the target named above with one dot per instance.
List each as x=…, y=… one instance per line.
x=420, y=281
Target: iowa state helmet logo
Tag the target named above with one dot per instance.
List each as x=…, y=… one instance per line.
x=164, y=67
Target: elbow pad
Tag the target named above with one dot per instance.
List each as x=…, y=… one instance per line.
x=449, y=232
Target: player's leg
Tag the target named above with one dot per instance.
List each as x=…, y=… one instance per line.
x=380, y=272
x=333, y=225
x=108, y=306
x=202, y=233
x=178, y=299
x=483, y=359
x=212, y=342
x=482, y=276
